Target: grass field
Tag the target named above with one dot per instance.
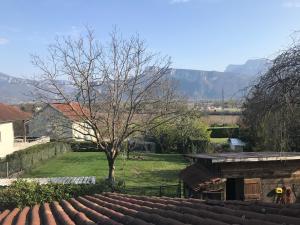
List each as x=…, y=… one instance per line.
x=221, y=119
x=219, y=140
x=151, y=170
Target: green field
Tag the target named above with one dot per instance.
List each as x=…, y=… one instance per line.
x=147, y=170
x=219, y=140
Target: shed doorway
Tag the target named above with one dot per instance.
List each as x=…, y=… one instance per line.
x=235, y=189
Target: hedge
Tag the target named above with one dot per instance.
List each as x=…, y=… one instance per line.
x=224, y=132
x=84, y=146
x=27, y=158
x=22, y=193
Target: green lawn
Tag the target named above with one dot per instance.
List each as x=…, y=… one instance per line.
x=151, y=170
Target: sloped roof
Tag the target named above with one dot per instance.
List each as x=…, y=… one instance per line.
x=198, y=177
x=117, y=209
x=74, y=111
x=246, y=156
x=236, y=141
x=12, y=113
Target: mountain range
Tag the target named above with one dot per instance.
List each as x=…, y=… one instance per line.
x=194, y=84
x=209, y=85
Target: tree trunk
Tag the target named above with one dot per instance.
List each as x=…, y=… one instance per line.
x=128, y=149
x=111, y=170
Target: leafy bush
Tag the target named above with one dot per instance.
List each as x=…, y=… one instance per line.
x=27, y=158
x=84, y=146
x=23, y=193
x=186, y=134
x=226, y=147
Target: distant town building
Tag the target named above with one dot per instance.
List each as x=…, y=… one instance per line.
x=10, y=115
x=61, y=121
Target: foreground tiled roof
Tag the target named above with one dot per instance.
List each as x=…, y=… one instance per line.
x=12, y=113
x=74, y=111
x=115, y=209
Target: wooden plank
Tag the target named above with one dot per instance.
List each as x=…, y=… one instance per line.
x=252, y=189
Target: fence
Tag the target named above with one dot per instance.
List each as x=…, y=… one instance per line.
x=25, y=159
x=159, y=191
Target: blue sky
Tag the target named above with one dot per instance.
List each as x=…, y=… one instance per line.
x=197, y=34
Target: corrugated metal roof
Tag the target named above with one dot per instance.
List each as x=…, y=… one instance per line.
x=117, y=209
x=247, y=156
x=74, y=111
x=12, y=113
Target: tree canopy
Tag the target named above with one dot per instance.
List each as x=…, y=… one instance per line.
x=121, y=87
x=185, y=134
x=272, y=108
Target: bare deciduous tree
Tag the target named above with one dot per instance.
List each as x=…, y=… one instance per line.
x=121, y=87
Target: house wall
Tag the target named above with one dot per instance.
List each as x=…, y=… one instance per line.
x=50, y=122
x=82, y=132
x=19, y=128
x=7, y=139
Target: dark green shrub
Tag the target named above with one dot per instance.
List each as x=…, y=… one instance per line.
x=23, y=193
x=84, y=146
x=224, y=132
x=226, y=147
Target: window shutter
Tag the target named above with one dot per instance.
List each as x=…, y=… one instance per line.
x=252, y=189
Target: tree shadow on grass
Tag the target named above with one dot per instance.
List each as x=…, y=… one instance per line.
x=156, y=157
x=80, y=157
x=153, y=178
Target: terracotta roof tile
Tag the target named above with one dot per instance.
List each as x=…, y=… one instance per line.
x=74, y=111
x=12, y=113
x=117, y=209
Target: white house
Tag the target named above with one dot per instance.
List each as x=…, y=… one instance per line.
x=9, y=115
x=6, y=138
x=61, y=121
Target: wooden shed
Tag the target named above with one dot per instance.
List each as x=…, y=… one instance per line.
x=242, y=176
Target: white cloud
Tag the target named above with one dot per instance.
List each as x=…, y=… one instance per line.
x=3, y=41
x=291, y=4
x=178, y=1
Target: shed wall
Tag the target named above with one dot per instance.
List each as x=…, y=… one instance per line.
x=265, y=169
x=270, y=184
